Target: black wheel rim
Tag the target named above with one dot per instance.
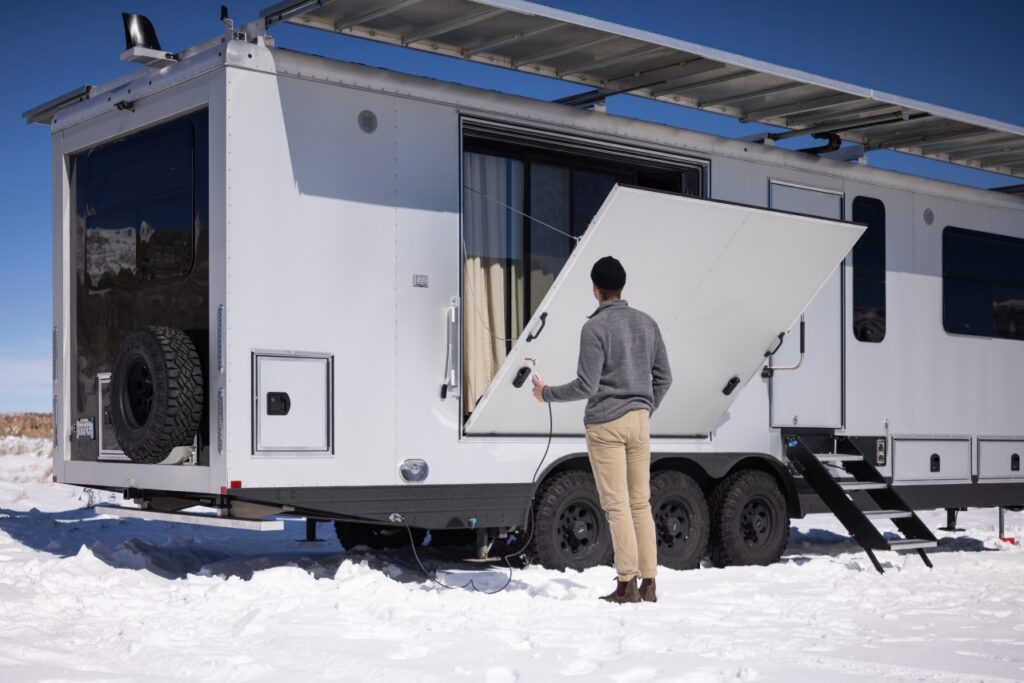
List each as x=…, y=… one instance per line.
x=578, y=529
x=757, y=520
x=672, y=521
x=138, y=393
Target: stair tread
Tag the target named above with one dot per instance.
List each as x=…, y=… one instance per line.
x=863, y=485
x=823, y=473
x=888, y=514
x=842, y=457
x=912, y=544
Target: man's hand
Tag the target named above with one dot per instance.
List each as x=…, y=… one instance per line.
x=538, y=388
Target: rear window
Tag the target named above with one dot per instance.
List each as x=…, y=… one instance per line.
x=136, y=199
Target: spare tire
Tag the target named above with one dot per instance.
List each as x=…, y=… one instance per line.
x=156, y=395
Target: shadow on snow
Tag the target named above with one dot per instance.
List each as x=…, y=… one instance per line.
x=174, y=550
x=803, y=546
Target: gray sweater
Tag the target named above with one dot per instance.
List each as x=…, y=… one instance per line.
x=623, y=365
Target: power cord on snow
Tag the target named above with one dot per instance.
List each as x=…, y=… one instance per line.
x=551, y=431
x=469, y=583
x=505, y=558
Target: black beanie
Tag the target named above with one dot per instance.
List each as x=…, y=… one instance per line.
x=608, y=274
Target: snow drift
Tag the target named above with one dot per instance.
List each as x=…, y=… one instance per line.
x=88, y=597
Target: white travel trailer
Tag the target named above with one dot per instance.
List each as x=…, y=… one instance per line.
x=285, y=284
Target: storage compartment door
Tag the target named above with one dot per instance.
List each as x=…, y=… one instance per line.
x=292, y=403
x=1000, y=459
x=721, y=280
x=925, y=461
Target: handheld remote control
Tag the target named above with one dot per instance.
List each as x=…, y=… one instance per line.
x=521, y=376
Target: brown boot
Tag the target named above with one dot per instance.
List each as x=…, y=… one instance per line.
x=625, y=591
x=648, y=591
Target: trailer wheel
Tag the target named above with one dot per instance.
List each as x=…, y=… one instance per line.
x=681, y=519
x=750, y=521
x=376, y=536
x=156, y=393
x=570, y=529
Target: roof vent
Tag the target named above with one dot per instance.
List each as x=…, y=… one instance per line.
x=141, y=44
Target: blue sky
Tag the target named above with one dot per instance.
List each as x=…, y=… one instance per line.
x=960, y=55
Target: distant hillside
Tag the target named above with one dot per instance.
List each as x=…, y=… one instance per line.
x=39, y=425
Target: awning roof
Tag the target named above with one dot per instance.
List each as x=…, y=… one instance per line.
x=614, y=59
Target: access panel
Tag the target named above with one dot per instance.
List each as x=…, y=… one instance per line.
x=930, y=460
x=721, y=280
x=292, y=403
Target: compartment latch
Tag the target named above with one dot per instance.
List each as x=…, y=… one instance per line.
x=278, y=403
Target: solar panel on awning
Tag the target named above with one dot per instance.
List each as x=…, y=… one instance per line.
x=614, y=59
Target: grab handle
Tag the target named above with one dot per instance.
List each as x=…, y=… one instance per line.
x=543, y=321
x=450, y=385
x=768, y=371
x=778, y=345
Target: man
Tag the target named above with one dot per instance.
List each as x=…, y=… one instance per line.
x=623, y=373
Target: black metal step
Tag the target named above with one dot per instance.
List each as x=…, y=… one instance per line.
x=841, y=457
x=863, y=485
x=912, y=544
x=889, y=514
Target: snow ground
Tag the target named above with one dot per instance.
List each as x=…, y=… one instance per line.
x=87, y=597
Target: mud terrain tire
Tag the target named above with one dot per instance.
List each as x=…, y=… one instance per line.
x=681, y=519
x=749, y=520
x=570, y=529
x=156, y=396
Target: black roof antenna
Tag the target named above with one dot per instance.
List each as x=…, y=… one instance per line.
x=139, y=32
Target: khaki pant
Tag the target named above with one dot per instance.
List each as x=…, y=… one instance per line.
x=620, y=455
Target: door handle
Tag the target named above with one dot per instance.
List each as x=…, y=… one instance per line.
x=778, y=345
x=768, y=371
x=278, y=403
x=543, y=321
x=450, y=385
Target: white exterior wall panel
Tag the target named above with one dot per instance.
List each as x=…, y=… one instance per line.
x=217, y=375
x=427, y=212
x=310, y=266
x=951, y=373
x=61, y=388
x=879, y=380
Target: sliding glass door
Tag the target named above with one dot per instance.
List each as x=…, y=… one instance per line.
x=524, y=203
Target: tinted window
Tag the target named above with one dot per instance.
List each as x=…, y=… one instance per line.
x=982, y=284
x=869, y=271
x=136, y=198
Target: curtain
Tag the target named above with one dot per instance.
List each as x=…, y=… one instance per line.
x=493, y=268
